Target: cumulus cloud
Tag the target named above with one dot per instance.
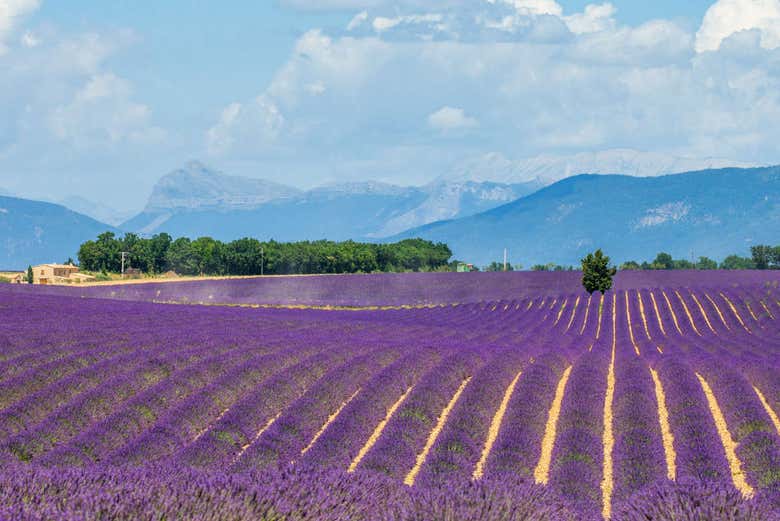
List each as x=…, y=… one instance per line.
x=327, y=5
x=450, y=118
x=520, y=78
x=102, y=113
x=382, y=23
x=59, y=97
x=254, y=126
x=595, y=18
x=534, y=7
x=11, y=12
x=727, y=17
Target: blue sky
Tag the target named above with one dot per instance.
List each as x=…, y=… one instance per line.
x=102, y=98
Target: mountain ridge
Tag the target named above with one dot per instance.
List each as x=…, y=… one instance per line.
x=712, y=212
x=189, y=200
x=36, y=232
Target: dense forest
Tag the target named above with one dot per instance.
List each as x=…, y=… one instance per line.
x=206, y=256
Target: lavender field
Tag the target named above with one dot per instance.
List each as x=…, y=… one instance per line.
x=437, y=397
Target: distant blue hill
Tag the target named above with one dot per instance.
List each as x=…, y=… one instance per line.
x=32, y=232
x=712, y=213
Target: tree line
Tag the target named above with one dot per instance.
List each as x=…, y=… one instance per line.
x=207, y=256
x=762, y=257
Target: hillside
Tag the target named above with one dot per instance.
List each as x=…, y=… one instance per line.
x=710, y=212
x=33, y=232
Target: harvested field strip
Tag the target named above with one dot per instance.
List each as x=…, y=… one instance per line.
x=573, y=313
x=630, y=327
x=410, y=477
x=644, y=317
x=256, y=437
x=495, y=428
x=560, y=313
x=671, y=311
x=378, y=431
x=666, y=430
x=734, y=310
x=717, y=309
x=601, y=309
x=750, y=310
x=587, y=311
x=607, y=483
x=768, y=312
x=687, y=312
x=703, y=313
x=729, y=445
x=657, y=314
x=331, y=419
x=542, y=470
x=772, y=414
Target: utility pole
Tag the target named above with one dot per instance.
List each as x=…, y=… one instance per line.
x=124, y=253
x=505, y=252
x=262, y=261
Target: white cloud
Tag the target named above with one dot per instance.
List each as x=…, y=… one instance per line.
x=727, y=17
x=450, y=118
x=251, y=126
x=534, y=7
x=595, y=18
x=382, y=23
x=11, y=11
x=102, y=113
x=358, y=20
x=535, y=84
x=29, y=39
x=327, y=5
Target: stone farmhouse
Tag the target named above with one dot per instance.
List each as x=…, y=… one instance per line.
x=55, y=274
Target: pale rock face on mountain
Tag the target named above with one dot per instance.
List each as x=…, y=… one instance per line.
x=196, y=187
x=453, y=199
x=710, y=212
x=182, y=201
x=547, y=169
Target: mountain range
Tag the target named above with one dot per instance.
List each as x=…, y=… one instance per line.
x=195, y=200
x=478, y=210
x=712, y=213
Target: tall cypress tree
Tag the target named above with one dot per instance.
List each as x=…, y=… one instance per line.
x=30, y=277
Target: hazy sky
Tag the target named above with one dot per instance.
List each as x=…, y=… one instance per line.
x=101, y=98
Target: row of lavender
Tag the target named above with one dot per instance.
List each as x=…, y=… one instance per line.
x=251, y=390
x=403, y=289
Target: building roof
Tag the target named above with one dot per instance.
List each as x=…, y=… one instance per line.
x=56, y=266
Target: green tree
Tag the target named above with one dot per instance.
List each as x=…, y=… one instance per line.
x=735, y=262
x=180, y=257
x=158, y=250
x=30, y=277
x=630, y=265
x=597, y=273
x=90, y=256
x=208, y=255
x=705, y=263
x=663, y=261
x=499, y=266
